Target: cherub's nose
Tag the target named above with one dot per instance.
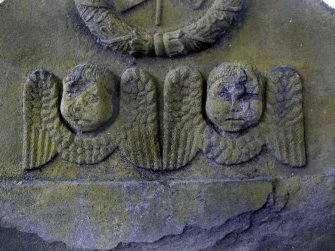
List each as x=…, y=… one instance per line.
x=239, y=91
x=235, y=105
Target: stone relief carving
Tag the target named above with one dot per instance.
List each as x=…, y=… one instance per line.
x=242, y=113
x=85, y=125
x=102, y=21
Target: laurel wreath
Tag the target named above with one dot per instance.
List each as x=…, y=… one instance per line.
x=118, y=35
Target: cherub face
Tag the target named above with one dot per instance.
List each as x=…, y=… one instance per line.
x=86, y=103
x=234, y=98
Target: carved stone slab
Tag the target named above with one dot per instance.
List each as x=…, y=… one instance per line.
x=167, y=125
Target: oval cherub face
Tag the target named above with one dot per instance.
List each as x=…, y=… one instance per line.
x=88, y=97
x=234, y=98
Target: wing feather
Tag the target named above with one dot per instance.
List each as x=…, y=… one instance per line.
x=89, y=150
x=41, y=96
x=286, y=139
x=139, y=119
x=183, y=120
x=232, y=149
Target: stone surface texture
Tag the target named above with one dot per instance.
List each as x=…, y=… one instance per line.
x=261, y=204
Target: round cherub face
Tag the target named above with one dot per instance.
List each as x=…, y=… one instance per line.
x=234, y=98
x=87, y=104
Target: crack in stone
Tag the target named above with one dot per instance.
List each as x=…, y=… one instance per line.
x=274, y=216
x=241, y=223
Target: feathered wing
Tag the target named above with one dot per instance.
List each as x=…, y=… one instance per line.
x=183, y=120
x=232, y=149
x=139, y=140
x=284, y=117
x=42, y=125
x=89, y=150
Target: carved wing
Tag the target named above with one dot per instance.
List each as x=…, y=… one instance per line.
x=89, y=150
x=183, y=120
x=42, y=124
x=139, y=119
x=284, y=116
x=232, y=149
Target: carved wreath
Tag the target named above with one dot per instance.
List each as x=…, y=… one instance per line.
x=118, y=35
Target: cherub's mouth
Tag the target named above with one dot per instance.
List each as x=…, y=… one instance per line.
x=81, y=120
x=233, y=119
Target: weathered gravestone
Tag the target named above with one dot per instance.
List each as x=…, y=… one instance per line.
x=167, y=125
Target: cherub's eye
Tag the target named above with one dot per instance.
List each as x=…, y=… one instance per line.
x=224, y=95
x=248, y=96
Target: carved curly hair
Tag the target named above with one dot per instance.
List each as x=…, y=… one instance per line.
x=85, y=75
